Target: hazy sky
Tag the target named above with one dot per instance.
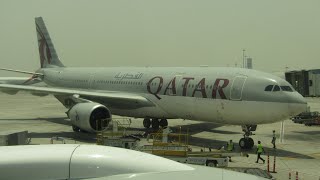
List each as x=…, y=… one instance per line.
x=275, y=33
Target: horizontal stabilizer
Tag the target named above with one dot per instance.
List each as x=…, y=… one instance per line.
x=23, y=72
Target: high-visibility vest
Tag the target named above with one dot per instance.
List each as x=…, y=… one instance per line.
x=260, y=148
x=230, y=147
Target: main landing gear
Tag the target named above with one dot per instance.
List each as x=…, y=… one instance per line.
x=77, y=129
x=155, y=123
x=246, y=142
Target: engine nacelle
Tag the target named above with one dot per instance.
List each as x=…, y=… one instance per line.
x=90, y=116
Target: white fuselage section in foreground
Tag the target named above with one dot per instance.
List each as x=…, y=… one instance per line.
x=44, y=162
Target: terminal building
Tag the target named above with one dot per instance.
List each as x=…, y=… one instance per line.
x=306, y=82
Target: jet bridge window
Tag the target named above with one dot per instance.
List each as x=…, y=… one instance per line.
x=286, y=88
x=269, y=88
x=276, y=88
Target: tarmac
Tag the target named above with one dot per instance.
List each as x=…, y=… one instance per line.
x=44, y=118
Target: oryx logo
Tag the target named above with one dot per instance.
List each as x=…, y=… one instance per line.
x=44, y=51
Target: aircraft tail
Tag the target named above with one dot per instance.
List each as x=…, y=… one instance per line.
x=48, y=55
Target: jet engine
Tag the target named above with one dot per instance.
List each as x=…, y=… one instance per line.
x=89, y=116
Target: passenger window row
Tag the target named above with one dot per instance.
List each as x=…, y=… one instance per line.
x=118, y=82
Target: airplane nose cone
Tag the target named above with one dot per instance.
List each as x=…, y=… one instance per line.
x=297, y=105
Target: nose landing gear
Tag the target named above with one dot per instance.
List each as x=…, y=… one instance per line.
x=246, y=142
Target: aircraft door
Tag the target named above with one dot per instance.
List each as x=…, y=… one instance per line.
x=237, y=88
x=91, y=81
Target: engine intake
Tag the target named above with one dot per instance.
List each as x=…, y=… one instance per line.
x=90, y=116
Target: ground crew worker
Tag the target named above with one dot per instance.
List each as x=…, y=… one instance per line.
x=273, y=141
x=259, y=151
x=230, y=148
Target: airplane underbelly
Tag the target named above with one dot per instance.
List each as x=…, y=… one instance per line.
x=170, y=107
x=240, y=112
x=211, y=110
x=178, y=107
x=152, y=112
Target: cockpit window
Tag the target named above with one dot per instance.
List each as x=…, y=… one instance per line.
x=269, y=88
x=286, y=88
x=276, y=88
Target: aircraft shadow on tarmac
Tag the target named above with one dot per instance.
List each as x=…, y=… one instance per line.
x=203, y=127
x=284, y=153
x=72, y=136
x=62, y=121
x=58, y=120
x=192, y=128
x=217, y=144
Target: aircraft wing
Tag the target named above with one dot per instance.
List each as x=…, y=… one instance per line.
x=18, y=80
x=114, y=98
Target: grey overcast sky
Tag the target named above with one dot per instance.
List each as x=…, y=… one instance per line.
x=275, y=33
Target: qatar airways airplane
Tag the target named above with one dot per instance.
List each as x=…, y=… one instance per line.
x=220, y=95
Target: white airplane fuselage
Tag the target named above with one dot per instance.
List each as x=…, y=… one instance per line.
x=220, y=95
x=75, y=161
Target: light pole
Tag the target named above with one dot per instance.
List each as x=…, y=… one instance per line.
x=243, y=58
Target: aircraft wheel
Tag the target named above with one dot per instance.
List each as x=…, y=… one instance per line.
x=146, y=123
x=250, y=143
x=155, y=123
x=75, y=128
x=163, y=123
x=243, y=143
x=246, y=143
x=83, y=131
